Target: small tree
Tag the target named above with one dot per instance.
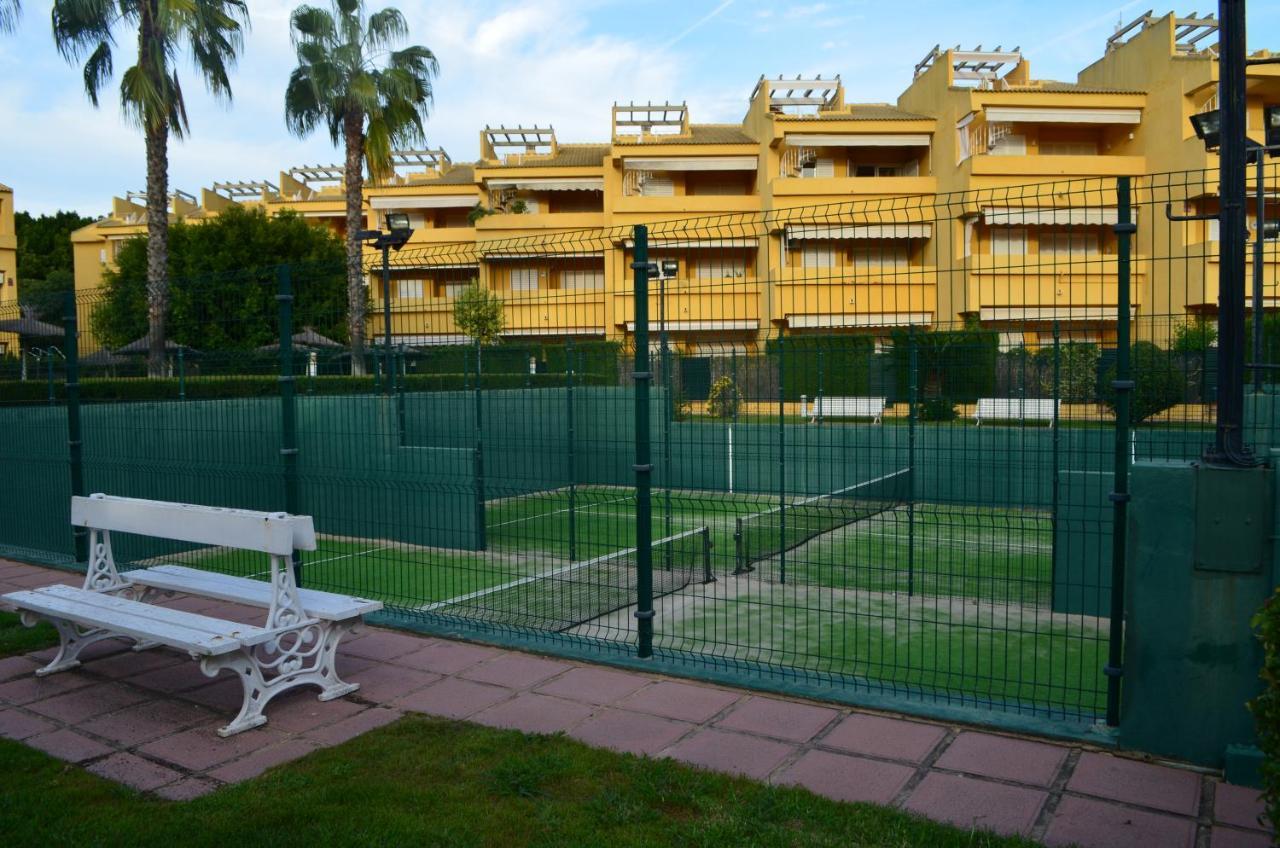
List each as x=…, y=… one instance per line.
x=478, y=313
x=724, y=398
x=1159, y=383
x=1077, y=370
x=1194, y=336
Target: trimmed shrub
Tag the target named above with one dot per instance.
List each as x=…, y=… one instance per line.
x=1159, y=382
x=936, y=409
x=1266, y=707
x=724, y=399
x=829, y=365
x=959, y=365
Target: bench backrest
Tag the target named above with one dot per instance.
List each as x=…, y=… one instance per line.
x=1012, y=408
x=269, y=532
x=861, y=407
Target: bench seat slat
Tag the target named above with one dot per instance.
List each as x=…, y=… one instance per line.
x=327, y=606
x=187, y=631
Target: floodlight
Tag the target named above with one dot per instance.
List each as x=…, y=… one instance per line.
x=397, y=221
x=1271, y=121
x=1208, y=127
x=670, y=267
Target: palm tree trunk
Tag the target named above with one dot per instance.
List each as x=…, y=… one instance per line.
x=157, y=246
x=353, y=132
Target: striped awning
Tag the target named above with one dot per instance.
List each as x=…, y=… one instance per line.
x=1048, y=313
x=550, y=184
x=797, y=232
x=698, y=244
x=1018, y=216
x=701, y=326
x=692, y=163
x=439, y=201
x=814, y=321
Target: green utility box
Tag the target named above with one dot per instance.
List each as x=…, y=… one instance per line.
x=1199, y=567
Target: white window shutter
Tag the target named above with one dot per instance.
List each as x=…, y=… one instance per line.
x=524, y=279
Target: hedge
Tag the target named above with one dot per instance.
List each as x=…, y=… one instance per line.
x=590, y=357
x=959, y=365
x=211, y=388
x=828, y=365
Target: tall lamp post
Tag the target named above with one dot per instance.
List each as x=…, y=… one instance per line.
x=397, y=234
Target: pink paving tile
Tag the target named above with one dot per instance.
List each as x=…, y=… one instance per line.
x=224, y=696
x=382, y=645
x=185, y=790
x=1017, y=760
x=445, y=657
x=683, y=701
x=24, y=690
x=148, y=721
x=518, y=671
x=381, y=683
x=891, y=738
x=1229, y=837
x=134, y=771
x=300, y=710
x=353, y=726
x=262, y=759
x=533, y=713
x=170, y=678
x=104, y=648
x=593, y=685
x=1089, y=823
x=1145, y=784
x=201, y=747
x=971, y=803
x=133, y=663
x=628, y=732
x=781, y=719
x=75, y=707
x=1239, y=806
x=11, y=667
x=68, y=745
x=454, y=698
x=847, y=778
x=17, y=725
x=735, y=753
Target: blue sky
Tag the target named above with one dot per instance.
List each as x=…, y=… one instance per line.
x=521, y=61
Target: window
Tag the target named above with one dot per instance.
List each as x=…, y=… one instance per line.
x=722, y=268
x=1069, y=243
x=820, y=168
x=721, y=186
x=1213, y=229
x=1068, y=148
x=409, y=288
x=524, y=279
x=652, y=186
x=582, y=279
x=102, y=256
x=864, y=170
x=817, y=256
x=454, y=289
x=1008, y=241
x=962, y=143
x=1010, y=145
x=889, y=255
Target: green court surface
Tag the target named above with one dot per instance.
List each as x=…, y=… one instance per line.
x=941, y=597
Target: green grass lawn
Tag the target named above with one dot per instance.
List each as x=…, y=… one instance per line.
x=427, y=782
x=16, y=639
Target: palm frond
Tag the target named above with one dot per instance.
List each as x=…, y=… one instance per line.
x=10, y=11
x=385, y=28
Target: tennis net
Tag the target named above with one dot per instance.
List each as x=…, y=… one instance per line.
x=787, y=526
x=566, y=596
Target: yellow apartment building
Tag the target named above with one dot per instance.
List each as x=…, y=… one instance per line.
x=1173, y=59
x=983, y=194
x=8, y=268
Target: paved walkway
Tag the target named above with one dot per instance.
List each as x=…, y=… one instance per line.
x=148, y=720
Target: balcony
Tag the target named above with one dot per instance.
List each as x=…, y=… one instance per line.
x=1022, y=281
x=853, y=186
x=551, y=312
x=848, y=292
x=704, y=305
x=986, y=164
x=687, y=203
x=512, y=222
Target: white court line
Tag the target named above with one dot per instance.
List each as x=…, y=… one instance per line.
x=555, y=512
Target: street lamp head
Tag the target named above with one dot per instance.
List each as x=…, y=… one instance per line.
x=670, y=268
x=1208, y=127
x=1271, y=122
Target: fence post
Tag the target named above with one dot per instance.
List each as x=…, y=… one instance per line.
x=782, y=458
x=643, y=466
x=479, y=437
x=182, y=374
x=1056, y=476
x=1123, y=385
x=912, y=390
x=288, y=403
x=402, y=376
x=571, y=436
x=75, y=444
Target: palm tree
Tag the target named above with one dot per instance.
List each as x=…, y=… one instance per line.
x=151, y=96
x=10, y=11
x=370, y=97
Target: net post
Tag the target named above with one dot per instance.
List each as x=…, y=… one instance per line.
x=739, y=553
x=402, y=374
x=288, y=404
x=782, y=459
x=182, y=374
x=643, y=465
x=75, y=439
x=1123, y=385
x=708, y=576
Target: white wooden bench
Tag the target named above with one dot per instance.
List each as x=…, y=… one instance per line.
x=843, y=407
x=1016, y=409
x=296, y=646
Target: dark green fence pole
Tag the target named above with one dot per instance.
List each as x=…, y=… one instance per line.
x=643, y=467
x=288, y=403
x=571, y=437
x=402, y=376
x=479, y=420
x=1123, y=385
x=182, y=374
x=1057, y=464
x=782, y=460
x=75, y=444
x=913, y=387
